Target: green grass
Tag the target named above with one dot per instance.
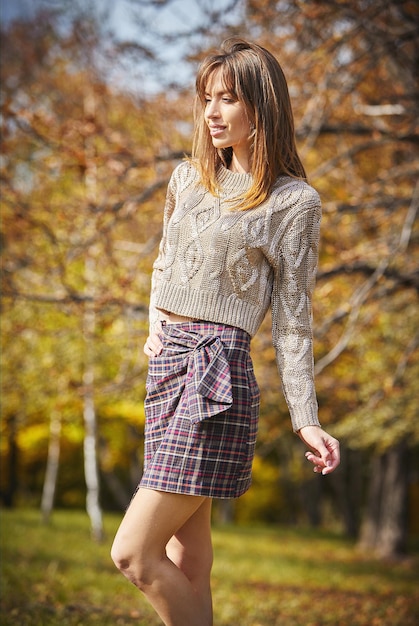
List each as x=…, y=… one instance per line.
x=57, y=576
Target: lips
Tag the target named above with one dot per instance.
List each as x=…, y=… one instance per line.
x=216, y=130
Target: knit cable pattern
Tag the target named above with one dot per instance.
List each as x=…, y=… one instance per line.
x=228, y=267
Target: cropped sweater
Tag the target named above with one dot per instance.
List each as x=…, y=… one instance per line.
x=228, y=266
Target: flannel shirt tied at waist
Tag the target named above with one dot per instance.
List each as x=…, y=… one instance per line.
x=204, y=366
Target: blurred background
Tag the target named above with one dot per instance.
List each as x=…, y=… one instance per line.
x=96, y=111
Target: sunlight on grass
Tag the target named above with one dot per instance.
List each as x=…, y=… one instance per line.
x=57, y=576
x=291, y=577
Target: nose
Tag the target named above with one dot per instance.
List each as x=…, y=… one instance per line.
x=211, y=109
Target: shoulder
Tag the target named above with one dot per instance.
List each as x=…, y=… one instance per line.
x=295, y=192
x=293, y=211
x=184, y=174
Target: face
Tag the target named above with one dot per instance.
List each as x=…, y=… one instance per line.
x=226, y=117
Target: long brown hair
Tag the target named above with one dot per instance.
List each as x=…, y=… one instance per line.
x=253, y=75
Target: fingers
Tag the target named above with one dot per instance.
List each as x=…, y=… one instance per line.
x=326, y=459
x=324, y=453
x=153, y=345
x=321, y=466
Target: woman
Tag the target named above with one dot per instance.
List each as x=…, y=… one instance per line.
x=241, y=231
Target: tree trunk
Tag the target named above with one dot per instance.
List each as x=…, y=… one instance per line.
x=8, y=495
x=135, y=466
x=90, y=465
x=91, y=471
x=311, y=500
x=117, y=489
x=384, y=529
x=224, y=511
x=347, y=489
x=53, y=462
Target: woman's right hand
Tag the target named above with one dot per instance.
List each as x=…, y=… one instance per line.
x=324, y=453
x=153, y=345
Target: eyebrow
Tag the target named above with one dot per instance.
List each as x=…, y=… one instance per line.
x=221, y=92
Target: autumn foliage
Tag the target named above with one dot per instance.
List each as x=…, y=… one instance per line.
x=84, y=170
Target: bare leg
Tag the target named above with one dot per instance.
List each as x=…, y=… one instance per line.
x=191, y=550
x=139, y=551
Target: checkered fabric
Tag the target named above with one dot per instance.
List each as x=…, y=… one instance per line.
x=202, y=408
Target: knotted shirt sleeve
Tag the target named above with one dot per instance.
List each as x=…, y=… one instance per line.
x=294, y=279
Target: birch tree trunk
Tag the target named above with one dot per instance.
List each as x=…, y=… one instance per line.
x=90, y=443
x=53, y=462
x=91, y=470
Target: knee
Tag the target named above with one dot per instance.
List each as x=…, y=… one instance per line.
x=135, y=567
x=120, y=557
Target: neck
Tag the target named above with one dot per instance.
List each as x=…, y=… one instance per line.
x=239, y=164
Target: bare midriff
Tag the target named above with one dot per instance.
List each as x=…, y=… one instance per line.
x=173, y=318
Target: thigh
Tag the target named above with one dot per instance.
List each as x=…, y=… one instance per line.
x=190, y=548
x=152, y=518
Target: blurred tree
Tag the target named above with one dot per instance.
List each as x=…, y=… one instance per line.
x=353, y=73
x=352, y=69
x=78, y=227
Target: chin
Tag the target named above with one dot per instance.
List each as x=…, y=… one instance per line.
x=217, y=143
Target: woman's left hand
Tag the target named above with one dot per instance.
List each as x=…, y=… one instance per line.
x=153, y=345
x=324, y=449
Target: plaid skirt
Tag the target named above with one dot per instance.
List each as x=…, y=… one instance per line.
x=202, y=410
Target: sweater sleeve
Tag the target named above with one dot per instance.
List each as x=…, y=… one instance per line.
x=158, y=264
x=294, y=279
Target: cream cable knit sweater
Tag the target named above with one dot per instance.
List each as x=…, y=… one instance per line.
x=228, y=266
